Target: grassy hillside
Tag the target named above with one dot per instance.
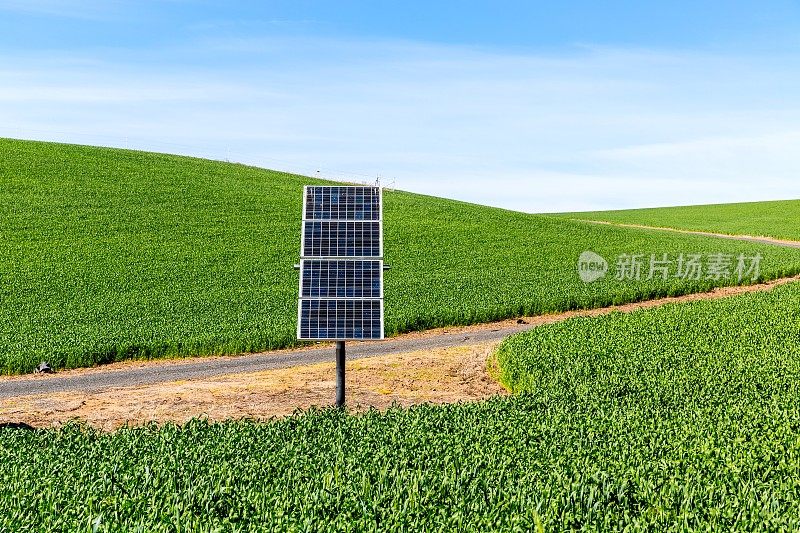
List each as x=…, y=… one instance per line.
x=779, y=219
x=676, y=418
x=111, y=254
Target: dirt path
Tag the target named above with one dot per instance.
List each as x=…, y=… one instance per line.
x=436, y=376
x=746, y=238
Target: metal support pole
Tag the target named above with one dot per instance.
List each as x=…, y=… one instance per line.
x=339, y=373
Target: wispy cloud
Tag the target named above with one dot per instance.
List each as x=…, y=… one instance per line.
x=587, y=128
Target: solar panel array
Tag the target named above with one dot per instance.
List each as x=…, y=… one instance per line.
x=341, y=264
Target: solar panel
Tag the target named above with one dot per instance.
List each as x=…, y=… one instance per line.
x=341, y=239
x=341, y=264
x=341, y=319
x=324, y=278
x=342, y=203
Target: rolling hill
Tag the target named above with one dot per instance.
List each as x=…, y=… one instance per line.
x=113, y=254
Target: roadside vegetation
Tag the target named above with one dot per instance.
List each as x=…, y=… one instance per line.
x=110, y=255
x=682, y=417
x=777, y=219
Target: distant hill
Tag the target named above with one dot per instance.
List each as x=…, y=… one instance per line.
x=779, y=219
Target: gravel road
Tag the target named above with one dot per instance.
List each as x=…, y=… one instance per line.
x=95, y=380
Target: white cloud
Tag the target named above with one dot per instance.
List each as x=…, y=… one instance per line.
x=593, y=128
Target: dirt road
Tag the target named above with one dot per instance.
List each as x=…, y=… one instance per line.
x=747, y=238
x=140, y=373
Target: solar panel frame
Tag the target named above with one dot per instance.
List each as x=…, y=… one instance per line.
x=319, y=221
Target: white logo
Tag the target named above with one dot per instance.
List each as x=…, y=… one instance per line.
x=591, y=267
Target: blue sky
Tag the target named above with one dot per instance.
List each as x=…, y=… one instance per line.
x=535, y=106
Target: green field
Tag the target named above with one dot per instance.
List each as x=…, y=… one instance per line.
x=779, y=219
x=684, y=417
x=111, y=254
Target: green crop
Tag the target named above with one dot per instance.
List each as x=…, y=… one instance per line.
x=684, y=417
x=110, y=254
x=769, y=219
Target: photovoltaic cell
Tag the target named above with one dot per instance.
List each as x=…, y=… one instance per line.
x=341, y=265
